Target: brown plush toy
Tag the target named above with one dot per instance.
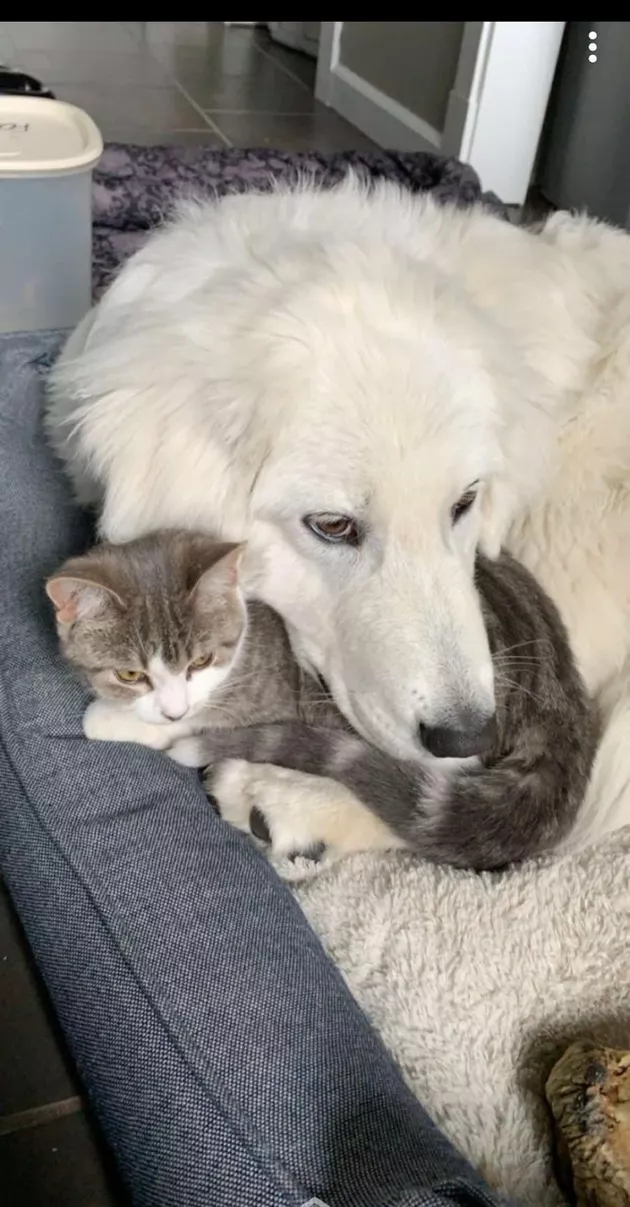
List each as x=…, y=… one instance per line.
x=588, y=1091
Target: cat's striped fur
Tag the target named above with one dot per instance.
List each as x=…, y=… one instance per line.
x=167, y=598
x=519, y=800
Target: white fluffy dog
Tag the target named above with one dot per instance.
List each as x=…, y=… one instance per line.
x=367, y=386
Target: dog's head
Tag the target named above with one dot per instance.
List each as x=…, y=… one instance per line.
x=393, y=453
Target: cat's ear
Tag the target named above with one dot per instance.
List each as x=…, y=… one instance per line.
x=226, y=571
x=78, y=598
x=221, y=577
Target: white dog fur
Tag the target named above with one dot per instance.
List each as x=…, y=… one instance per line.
x=270, y=356
x=373, y=354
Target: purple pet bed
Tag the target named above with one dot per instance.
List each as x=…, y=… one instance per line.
x=135, y=187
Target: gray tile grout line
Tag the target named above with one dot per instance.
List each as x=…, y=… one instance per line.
x=205, y=114
x=260, y=50
x=160, y=137
x=208, y=120
x=287, y=70
x=270, y=59
x=208, y=123
x=253, y=112
x=257, y=113
x=176, y=130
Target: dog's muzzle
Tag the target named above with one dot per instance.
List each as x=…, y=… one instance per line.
x=475, y=735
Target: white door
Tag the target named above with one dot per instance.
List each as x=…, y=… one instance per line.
x=299, y=35
x=493, y=106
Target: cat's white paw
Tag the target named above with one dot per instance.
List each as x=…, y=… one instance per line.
x=188, y=752
x=103, y=723
x=295, y=814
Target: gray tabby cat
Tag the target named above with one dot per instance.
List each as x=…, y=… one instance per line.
x=159, y=630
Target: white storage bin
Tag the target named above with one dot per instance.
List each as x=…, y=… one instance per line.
x=47, y=152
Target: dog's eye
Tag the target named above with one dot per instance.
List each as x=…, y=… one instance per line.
x=336, y=529
x=464, y=503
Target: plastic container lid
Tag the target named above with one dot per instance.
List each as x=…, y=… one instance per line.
x=40, y=137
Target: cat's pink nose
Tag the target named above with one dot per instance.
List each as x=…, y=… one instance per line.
x=174, y=716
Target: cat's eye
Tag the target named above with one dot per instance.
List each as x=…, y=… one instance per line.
x=199, y=664
x=129, y=676
x=464, y=503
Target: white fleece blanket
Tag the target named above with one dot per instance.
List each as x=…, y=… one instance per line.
x=478, y=983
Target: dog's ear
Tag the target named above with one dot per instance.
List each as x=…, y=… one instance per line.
x=498, y=508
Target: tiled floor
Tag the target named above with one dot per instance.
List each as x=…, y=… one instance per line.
x=161, y=81
x=188, y=82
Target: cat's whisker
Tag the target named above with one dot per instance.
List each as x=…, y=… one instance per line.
x=516, y=663
x=517, y=660
x=236, y=722
x=520, y=687
x=237, y=678
x=506, y=649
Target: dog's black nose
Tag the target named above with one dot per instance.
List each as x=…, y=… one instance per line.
x=476, y=734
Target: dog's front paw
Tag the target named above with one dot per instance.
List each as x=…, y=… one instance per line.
x=292, y=813
x=268, y=803
x=228, y=785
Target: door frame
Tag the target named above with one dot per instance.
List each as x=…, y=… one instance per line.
x=496, y=107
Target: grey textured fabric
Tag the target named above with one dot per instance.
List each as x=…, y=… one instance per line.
x=227, y=1061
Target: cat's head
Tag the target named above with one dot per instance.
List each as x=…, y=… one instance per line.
x=155, y=624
